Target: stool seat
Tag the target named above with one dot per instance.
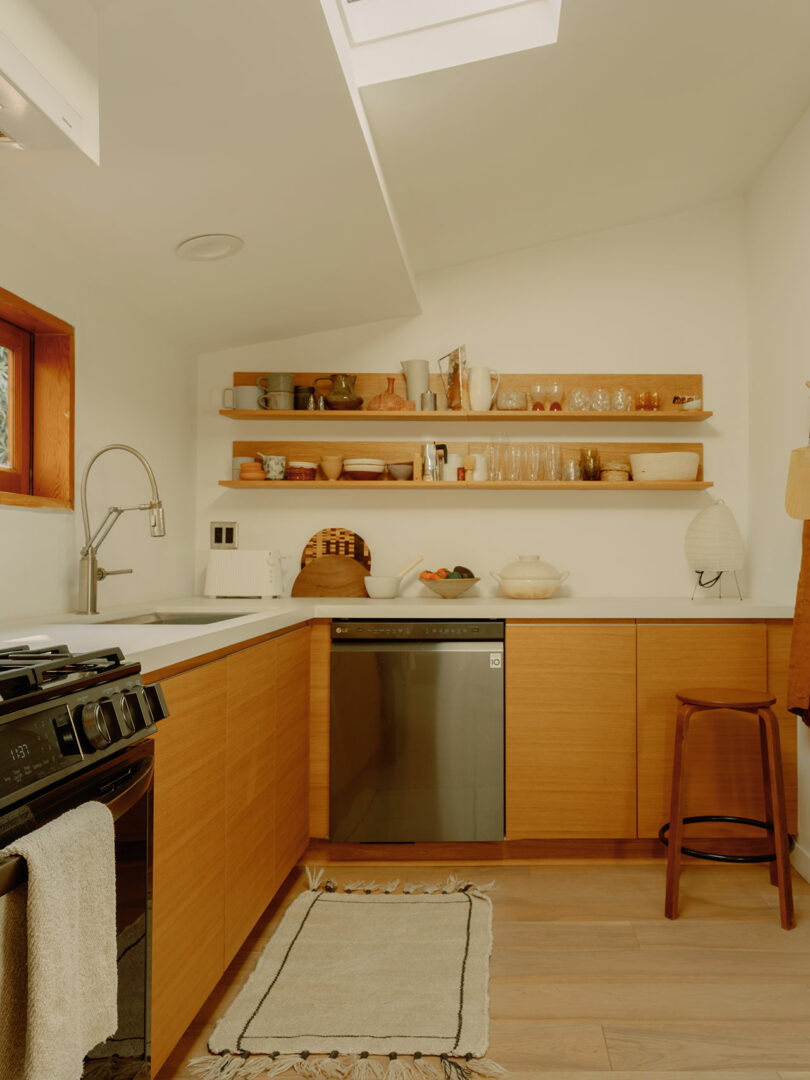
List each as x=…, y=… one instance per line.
x=724, y=698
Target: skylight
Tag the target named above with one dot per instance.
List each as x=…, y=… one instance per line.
x=393, y=39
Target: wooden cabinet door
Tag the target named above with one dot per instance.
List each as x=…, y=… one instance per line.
x=292, y=751
x=188, y=854
x=249, y=772
x=723, y=769
x=570, y=730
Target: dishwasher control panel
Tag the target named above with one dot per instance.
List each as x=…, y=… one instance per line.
x=418, y=629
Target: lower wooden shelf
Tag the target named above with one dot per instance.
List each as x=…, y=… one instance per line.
x=472, y=485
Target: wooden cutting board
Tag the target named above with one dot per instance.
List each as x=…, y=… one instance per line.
x=336, y=541
x=331, y=575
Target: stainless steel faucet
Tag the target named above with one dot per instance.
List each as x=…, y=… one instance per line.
x=90, y=572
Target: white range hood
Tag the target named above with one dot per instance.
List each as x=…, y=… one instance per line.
x=48, y=76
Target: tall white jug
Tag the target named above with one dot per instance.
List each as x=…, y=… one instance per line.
x=482, y=392
x=417, y=379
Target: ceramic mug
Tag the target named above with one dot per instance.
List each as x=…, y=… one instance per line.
x=277, y=399
x=274, y=466
x=275, y=381
x=242, y=397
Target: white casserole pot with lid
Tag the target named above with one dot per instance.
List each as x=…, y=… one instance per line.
x=529, y=578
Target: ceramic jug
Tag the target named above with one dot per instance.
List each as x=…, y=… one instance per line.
x=482, y=392
x=417, y=379
x=341, y=394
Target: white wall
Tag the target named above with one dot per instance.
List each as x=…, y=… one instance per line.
x=660, y=296
x=778, y=236
x=132, y=386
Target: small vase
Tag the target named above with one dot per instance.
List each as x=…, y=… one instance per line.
x=389, y=401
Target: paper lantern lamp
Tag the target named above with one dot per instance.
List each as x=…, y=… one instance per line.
x=713, y=546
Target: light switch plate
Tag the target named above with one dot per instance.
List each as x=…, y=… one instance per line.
x=224, y=534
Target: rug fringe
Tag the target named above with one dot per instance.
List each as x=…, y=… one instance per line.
x=344, y=1067
x=453, y=884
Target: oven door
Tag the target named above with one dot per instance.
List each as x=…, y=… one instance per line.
x=124, y=784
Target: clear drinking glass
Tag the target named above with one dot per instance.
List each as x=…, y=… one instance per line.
x=622, y=399
x=579, y=400
x=601, y=400
x=553, y=462
x=555, y=396
x=512, y=461
x=531, y=461
x=493, y=461
x=571, y=465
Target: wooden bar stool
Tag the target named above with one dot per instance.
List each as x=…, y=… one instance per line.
x=746, y=701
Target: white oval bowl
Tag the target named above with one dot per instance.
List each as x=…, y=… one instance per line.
x=682, y=465
x=301, y=465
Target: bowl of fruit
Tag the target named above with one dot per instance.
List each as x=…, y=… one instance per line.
x=449, y=583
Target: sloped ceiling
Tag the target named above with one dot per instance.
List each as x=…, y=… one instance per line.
x=236, y=117
x=221, y=117
x=643, y=107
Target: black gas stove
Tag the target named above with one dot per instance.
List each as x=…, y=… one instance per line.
x=62, y=713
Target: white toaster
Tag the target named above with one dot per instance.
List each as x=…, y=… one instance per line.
x=242, y=573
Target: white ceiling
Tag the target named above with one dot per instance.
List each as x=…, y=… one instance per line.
x=643, y=107
x=236, y=117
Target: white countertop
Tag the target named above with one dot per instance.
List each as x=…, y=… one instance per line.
x=158, y=646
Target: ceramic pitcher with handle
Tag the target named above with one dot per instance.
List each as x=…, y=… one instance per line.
x=482, y=392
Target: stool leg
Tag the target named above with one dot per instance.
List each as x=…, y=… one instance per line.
x=780, y=834
x=676, y=811
x=766, y=788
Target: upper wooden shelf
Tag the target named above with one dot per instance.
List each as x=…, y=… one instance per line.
x=467, y=415
x=370, y=384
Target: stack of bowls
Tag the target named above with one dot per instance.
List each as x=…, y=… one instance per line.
x=363, y=468
x=301, y=470
x=251, y=470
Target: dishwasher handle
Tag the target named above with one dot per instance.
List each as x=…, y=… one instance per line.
x=14, y=869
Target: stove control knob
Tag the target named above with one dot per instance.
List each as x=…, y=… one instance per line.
x=126, y=721
x=95, y=726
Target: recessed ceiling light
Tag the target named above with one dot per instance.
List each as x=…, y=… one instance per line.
x=208, y=247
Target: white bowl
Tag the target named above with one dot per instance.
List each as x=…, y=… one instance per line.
x=366, y=463
x=301, y=465
x=682, y=465
x=379, y=587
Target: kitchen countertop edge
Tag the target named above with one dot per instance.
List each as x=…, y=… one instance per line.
x=161, y=646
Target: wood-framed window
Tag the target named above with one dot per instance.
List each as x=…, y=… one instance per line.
x=15, y=409
x=36, y=406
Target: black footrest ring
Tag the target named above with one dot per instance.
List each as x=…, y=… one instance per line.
x=715, y=856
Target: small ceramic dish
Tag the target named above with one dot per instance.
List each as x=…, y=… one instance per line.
x=401, y=470
x=380, y=587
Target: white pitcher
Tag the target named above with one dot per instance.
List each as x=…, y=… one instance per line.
x=417, y=379
x=482, y=392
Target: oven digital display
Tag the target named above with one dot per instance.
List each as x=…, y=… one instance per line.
x=28, y=752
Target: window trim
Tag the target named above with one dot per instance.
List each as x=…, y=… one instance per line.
x=16, y=477
x=52, y=405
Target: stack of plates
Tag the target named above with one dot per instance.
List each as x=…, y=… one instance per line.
x=363, y=468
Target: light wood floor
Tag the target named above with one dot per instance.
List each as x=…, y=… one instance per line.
x=589, y=978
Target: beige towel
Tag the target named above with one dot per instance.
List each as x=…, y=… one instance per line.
x=69, y=922
x=798, y=689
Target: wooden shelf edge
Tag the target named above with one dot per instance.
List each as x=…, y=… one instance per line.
x=34, y=502
x=483, y=485
x=454, y=416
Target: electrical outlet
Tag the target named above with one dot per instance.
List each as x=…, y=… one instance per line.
x=224, y=534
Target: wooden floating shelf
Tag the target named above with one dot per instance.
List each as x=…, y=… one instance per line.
x=465, y=415
x=473, y=485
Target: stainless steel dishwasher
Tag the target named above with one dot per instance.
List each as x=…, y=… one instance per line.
x=416, y=737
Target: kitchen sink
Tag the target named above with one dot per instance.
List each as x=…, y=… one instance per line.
x=178, y=618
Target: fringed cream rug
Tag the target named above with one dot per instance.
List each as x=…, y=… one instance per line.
x=366, y=984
